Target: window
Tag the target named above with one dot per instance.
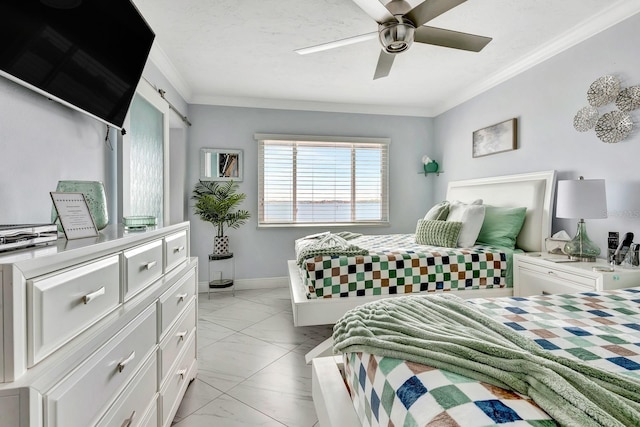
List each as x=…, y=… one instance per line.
x=307, y=180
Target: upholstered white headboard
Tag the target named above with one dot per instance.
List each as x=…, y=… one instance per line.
x=535, y=191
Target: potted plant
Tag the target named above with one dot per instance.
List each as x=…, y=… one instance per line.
x=216, y=202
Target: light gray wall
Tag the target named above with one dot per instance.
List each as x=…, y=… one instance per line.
x=262, y=253
x=42, y=142
x=545, y=100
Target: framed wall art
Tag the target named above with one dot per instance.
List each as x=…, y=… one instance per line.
x=219, y=164
x=496, y=138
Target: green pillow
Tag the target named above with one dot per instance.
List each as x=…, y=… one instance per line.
x=501, y=226
x=438, y=233
x=438, y=212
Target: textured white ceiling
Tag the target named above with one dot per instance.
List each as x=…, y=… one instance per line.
x=241, y=52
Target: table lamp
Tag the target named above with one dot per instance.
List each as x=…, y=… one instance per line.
x=581, y=198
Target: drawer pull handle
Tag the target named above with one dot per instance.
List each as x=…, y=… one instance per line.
x=181, y=297
x=126, y=361
x=129, y=420
x=150, y=265
x=178, y=249
x=93, y=295
x=181, y=335
x=181, y=373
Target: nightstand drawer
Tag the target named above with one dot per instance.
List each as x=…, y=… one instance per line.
x=63, y=305
x=558, y=273
x=143, y=265
x=535, y=282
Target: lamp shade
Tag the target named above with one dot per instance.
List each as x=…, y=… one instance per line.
x=581, y=198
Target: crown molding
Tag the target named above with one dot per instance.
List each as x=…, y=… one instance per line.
x=617, y=12
x=284, y=104
x=170, y=72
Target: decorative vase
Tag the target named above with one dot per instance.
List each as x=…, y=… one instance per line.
x=95, y=196
x=221, y=245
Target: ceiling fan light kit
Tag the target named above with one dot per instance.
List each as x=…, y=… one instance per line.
x=396, y=37
x=399, y=26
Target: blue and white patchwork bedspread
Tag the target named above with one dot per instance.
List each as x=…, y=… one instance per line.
x=602, y=329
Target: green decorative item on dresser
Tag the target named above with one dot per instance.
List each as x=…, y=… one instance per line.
x=95, y=196
x=216, y=202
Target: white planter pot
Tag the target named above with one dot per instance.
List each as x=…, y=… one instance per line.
x=221, y=245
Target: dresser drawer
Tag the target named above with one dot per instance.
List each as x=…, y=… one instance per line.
x=134, y=403
x=80, y=399
x=62, y=305
x=176, y=383
x=173, y=301
x=175, y=250
x=143, y=265
x=175, y=340
x=150, y=419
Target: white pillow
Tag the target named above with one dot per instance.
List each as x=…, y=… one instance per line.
x=471, y=216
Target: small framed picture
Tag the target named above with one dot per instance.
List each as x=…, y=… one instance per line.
x=494, y=139
x=218, y=164
x=75, y=217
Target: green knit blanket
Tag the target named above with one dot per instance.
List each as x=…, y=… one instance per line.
x=445, y=332
x=330, y=244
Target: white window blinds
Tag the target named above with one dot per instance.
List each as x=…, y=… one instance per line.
x=306, y=180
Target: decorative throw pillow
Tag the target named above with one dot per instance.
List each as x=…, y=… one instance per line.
x=471, y=216
x=439, y=212
x=501, y=226
x=438, y=233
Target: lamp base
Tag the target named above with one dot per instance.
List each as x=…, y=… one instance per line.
x=581, y=248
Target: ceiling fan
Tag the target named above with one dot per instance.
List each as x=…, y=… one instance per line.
x=399, y=26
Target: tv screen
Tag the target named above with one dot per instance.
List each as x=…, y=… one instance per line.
x=88, y=54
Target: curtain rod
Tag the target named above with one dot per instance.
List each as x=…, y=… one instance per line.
x=171, y=106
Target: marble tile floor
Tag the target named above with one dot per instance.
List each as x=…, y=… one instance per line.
x=251, y=367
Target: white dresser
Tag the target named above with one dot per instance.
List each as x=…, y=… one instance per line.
x=98, y=331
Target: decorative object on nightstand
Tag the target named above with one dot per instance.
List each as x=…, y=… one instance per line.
x=222, y=271
x=582, y=198
x=215, y=203
x=430, y=166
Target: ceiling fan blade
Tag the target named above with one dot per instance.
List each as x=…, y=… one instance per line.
x=385, y=61
x=449, y=38
x=337, y=43
x=375, y=10
x=429, y=9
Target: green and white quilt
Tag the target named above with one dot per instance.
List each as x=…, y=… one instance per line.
x=587, y=346
x=396, y=264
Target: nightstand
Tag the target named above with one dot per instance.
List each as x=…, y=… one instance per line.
x=537, y=273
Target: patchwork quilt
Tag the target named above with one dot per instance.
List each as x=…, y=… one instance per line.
x=396, y=264
x=601, y=329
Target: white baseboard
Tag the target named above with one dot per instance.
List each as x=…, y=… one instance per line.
x=245, y=284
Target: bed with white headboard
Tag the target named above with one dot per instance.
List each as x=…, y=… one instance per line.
x=535, y=191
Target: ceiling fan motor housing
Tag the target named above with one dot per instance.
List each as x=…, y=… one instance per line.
x=396, y=36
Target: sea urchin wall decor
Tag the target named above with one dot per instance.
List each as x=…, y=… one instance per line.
x=613, y=126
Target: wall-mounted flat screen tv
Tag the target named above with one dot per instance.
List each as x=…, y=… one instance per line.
x=86, y=54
